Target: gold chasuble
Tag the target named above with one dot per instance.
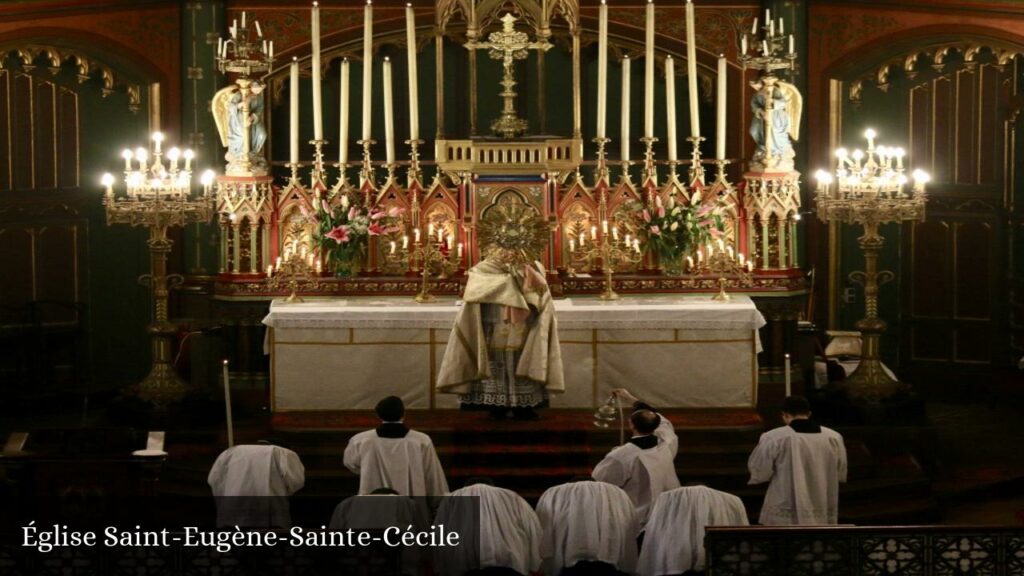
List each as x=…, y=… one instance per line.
x=503, y=349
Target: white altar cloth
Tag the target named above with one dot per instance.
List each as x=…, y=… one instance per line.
x=672, y=351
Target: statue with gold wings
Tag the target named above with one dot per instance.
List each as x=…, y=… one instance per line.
x=776, y=107
x=238, y=114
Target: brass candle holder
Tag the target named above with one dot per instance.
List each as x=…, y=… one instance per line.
x=430, y=256
x=723, y=263
x=612, y=252
x=294, y=272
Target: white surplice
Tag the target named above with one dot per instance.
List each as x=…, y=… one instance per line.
x=674, y=539
x=509, y=531
x=587, y=521
x=407, y=465
x=265, y=475
x=643, y=473
x=805, y=470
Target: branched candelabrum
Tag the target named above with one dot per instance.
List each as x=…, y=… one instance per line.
x=297, y=270
x=611, y=252
x=722, y=262
x=431, y=255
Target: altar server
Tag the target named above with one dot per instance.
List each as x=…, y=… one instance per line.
x=393, y=456
x=376, y=512
x=508, y=534
x=674, y=539
x=645, y=466
x=589, y=528
x=805, y=462
x=252, y=484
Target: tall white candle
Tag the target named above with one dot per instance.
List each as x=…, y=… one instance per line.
x=789, y=382
x=227, y=406
x=389, y=114
x=691, y=68
x=318, y=112
x=343, y=122
x=367, y=69
x=791, y=47
x=602, y=69
x=720, y=120
x=625, y=109
x=649, y=72
x=410, y=38
x=670, y=107
x=293, y=116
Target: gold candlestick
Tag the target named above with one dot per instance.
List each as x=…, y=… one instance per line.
x=611, y=253
x=366, y=174
x=723, y=262
x=696, y=163
x=429, y=255
x=415, y=174
x=601, y=174
x=650, y=171
x=294, y=272
x=318, y=178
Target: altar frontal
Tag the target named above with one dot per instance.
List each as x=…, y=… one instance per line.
x=676, y=351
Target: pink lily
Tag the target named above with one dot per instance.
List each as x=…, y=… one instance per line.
x=647, y=215
x=339, y=234
x=656, y=230
x=375, y=229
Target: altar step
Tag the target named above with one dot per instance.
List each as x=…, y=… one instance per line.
x=530, y=457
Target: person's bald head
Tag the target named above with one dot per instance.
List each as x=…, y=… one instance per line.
x=644, y=421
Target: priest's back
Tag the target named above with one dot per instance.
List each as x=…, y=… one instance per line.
x=393, y=456
x=252, y=484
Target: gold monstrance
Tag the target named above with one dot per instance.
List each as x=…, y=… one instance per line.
x=508, y=45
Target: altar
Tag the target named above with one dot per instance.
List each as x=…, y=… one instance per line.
x=672, y=351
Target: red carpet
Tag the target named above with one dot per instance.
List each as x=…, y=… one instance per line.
x=553, y=420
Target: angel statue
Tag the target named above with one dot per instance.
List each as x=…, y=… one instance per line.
x=238, y=113
x=503, y=353
x=777, y=106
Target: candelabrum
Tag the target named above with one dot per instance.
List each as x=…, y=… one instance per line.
x=777, y=50
x=723, y=263
x=871, y=189
x=611, y=252
x=159, y=196
x=432, y=255
x=243, y=54
x=296, y=270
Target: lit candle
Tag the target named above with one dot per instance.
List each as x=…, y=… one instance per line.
x=416, y=234
x=405, y=242
x=700, y=256
x=604, y=226
x=627, y=240
x=158, y=139
x=278, y=264
x=583, y=239
x=127, y=155
x=243, y=19
x=721, y=245
x=430, y=230
x=227, y=406
x=188, y=154
x=788, y=377
x=649, y=72
x=318, y=120
x=689, y=262
x=459, y=253
x=636, y=245
x=602, y=68
x=782, y=31
x=720, y=121
x=624, y=144
x=572, y=245
x=319, y=267
x=743, y=44
x=451, y=240
x=753, y=29
x=343, y=122
x=691, y=68
x=270, y=51
x=394, y=247
x=771, y=28
x=259, y=31
x=741, y=258
x=750, y=265
x=593, y=232
x=367, y=69
x=220, y=46
x=791, y=47
x=729, y=251
x=410, y=39
x=270, y=270
x=764, y=47
x=293, y=113
x=615, y=233
x=440, y=234
x=670, y=107
x=389, y=114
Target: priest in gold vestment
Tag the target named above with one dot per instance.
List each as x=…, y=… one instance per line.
x=503, y=353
